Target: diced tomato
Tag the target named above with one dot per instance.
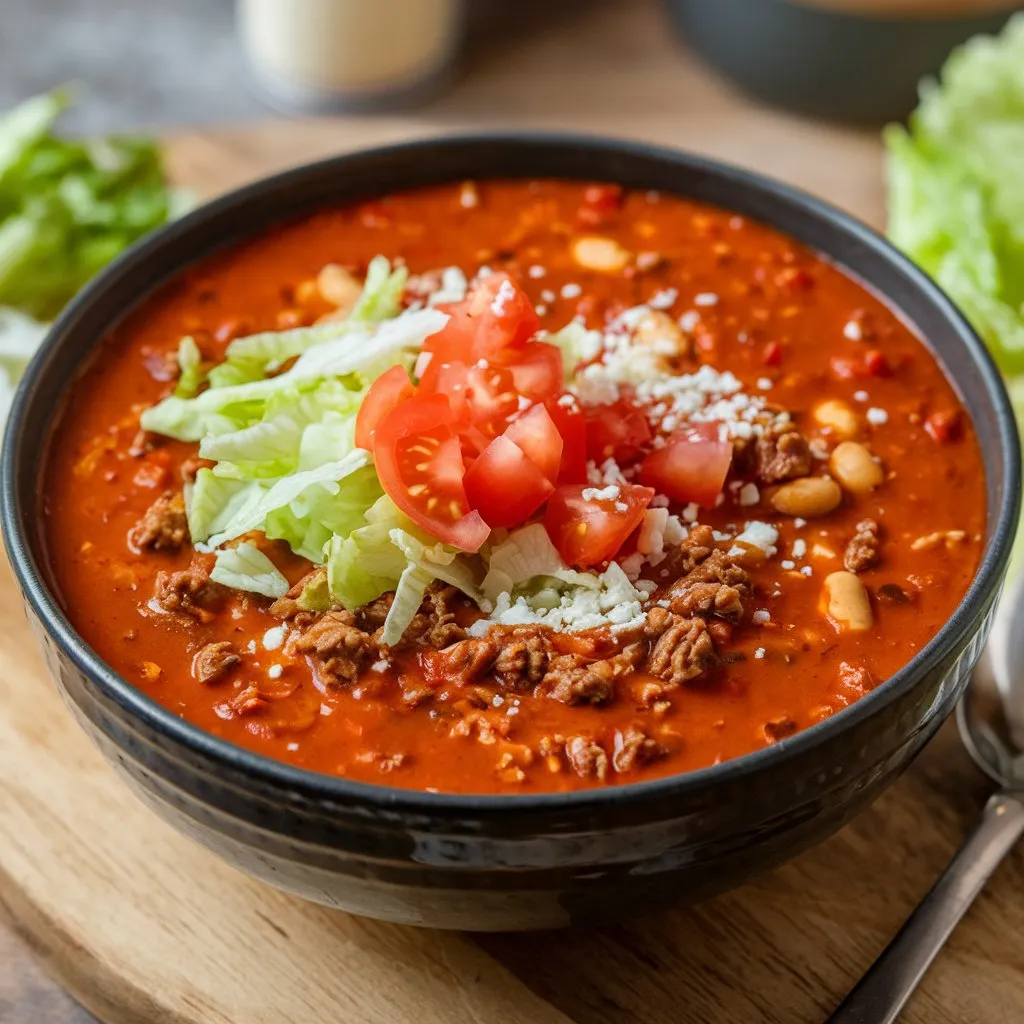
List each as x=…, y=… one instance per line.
x=491, y=398
x=772, y=354
x=505, y=486
x=536, y=369
x=450, y=379
x=944, y=426
x=689, y=468
x=497, y=315
x=419, y=461
x=454, y=342
x=877, y=364
x=538, y=437
x=387, y=391
x=617, y=431
x=600, y=204
x=591, y=532
x=572, y=425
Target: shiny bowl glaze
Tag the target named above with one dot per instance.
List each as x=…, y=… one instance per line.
x=509, y=862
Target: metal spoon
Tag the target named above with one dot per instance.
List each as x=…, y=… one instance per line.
x=985, y=728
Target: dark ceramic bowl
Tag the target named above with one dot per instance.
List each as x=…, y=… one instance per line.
x=853, y=61
x=507, y=862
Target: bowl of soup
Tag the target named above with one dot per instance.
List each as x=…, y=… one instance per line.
x=501, y=533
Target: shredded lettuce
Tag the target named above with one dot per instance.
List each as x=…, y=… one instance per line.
x=190, y=368
x=277, y=420
x=956, y=190
x=245, y=567
x=67, y=208
x=526, y=562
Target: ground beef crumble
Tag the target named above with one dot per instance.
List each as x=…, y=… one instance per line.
x=710, y=582
x=682, y=648
x=189, y=592
x=164, y=527
x=213, y=660
x=339, y=648
x=586, y=757
x=782, y=454
x=862, y=551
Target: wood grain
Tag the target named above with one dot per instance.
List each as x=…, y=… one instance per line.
x=144, y=927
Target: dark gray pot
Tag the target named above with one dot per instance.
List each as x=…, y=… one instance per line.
x=510, y=862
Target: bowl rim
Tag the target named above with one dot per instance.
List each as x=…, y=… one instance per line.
x=338, y=791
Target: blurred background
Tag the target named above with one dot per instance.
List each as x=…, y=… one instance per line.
x=146, y=65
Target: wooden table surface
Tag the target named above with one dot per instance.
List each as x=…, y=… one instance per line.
x=780, y=950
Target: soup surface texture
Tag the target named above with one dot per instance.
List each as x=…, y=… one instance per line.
x=732, y=496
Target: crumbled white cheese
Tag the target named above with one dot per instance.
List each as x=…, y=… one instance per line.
x=608, y=473
x=609, y=493
x=799, y=548
x=861, y=396
x=571, y=291
x=675, y=532
x=807, y=570
x=381, y=665
x=326, y=709
x=691, y=512
x=274, y=637
x=799, y=523
x=787, y=564
x=536, y=272
x=663, y=299
x=506, y=292
x=705, y=299
x=274, y=672
x=758, y=535
x=852, y=330
x=877, y=417
x=540, y=309
x=453, y=287
x=568, y=401
x=293, y=746
x=615, y=602
x=749, y=494
x=651, y=539
x=765, y=383
x=721, y=536
x=689, y=320
x=548, y=295
x=632, y=565
x=646, y=587
x=761, y=616
x=759, y=653
x=660, y=501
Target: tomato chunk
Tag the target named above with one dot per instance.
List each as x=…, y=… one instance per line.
x=617, y=431
x=505, y=315
x=505, y=486
x=538, y=437
x=568, y=418
x=590, y=532
x=498, y=314
x=387, y=391
x=536, y=369
x=419, y=461
x=691, y=467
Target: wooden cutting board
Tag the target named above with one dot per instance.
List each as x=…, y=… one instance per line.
x=144, y=927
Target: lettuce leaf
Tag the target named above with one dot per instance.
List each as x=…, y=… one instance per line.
x=956, y=193
x=956, y=190
x=245, y=567
x=68, y=207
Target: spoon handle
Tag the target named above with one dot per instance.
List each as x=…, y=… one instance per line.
x=880, y=995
